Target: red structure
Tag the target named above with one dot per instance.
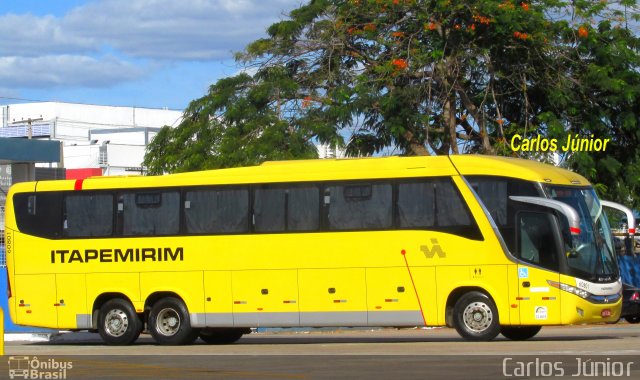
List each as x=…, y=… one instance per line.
x=83, y=173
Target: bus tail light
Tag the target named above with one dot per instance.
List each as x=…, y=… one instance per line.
x=635, y=296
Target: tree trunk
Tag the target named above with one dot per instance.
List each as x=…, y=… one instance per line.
x=450, y=122
x=417, y=149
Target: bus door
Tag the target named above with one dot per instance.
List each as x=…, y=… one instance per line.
x=539, y=250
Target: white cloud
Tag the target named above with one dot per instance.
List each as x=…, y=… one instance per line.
x=28, y=35
x=156, y=29
x=65, y=70
x=79, y=48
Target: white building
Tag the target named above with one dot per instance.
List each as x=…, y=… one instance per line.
x=111, y=138
x=330, y=151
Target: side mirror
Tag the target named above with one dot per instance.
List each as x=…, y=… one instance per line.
x=573, y=219
x=631, y=220
x=569, y=212
x=628, y=242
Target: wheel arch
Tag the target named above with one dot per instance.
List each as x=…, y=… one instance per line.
x=457, y=293
x=101, y=300
x=157, y=296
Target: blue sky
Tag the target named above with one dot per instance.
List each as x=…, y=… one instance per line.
x=144, y=53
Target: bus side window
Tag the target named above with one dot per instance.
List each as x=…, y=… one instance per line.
x=279, y=208
x=39, y=214
x=149, y=214
x=303, y=208
x=435, y=204
x=269, y=209
x=450, y=207
x=217, y=211
x=88, y=215
x=416, y=205
x=360, y=206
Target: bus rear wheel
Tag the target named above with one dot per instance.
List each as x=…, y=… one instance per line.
x=169, y=322
x=222, y=336
x=118, y=323
x=520, y=332
x=476, y=317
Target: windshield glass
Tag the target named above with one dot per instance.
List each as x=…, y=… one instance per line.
x=592, y=256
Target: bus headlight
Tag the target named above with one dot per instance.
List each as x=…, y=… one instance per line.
x=612, y=298
x=570, y=289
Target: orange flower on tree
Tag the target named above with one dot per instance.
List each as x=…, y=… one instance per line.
x=521, y=35
x=399, y=64
x=482, y=19
x=431, y=26
x=398, y=34
x=306, y=102
x=369, y=28
x=583, y=32
x=524, y=6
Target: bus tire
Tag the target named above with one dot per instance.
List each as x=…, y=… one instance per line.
x=634, y=319
x=118, y=323
x=476, y=317
x=520, y=332
x=169, y=323
x=221, y=336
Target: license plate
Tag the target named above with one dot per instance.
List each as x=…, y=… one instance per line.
x=605, y=313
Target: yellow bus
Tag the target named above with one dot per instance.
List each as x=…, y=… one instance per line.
x=487, y=245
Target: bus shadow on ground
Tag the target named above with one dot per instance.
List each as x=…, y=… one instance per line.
x=94, y=339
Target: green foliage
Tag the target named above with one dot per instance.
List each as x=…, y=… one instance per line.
x=421, y=77
x=238, y=123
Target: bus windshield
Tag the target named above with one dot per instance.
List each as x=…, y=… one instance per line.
x=592, y=256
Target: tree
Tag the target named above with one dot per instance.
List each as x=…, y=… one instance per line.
x=239, y=122
x=431, y=76
x=606, y=102
x=420, y=77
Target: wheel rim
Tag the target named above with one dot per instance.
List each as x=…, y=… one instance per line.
x=477, y=316
x=116, y=322
x=168, y=322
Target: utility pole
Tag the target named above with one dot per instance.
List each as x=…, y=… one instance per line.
x=29, y=126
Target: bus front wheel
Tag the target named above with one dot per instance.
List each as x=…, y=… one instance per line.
x=169, y=322
x=520, y=332
x=118, y=323
x=476, y=317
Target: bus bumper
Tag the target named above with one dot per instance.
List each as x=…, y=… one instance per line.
x=576, y=310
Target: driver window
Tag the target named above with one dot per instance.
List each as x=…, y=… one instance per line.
x=536, y=241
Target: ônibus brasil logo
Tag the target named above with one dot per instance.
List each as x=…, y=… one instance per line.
x=25, y=367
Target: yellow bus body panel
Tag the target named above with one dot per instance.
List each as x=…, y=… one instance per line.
x=34, y=303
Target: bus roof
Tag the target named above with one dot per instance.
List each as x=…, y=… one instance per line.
x=516, y=168
x=339, y=169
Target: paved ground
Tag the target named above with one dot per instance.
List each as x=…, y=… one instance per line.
x=386, y=353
